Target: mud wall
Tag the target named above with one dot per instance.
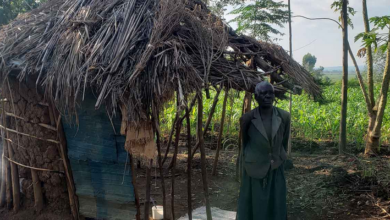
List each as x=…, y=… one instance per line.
x=26, y=102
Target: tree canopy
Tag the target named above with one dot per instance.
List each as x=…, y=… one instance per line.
x=259, y=18
x=309, y=62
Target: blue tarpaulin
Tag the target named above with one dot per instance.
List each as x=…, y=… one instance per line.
x=98, y=161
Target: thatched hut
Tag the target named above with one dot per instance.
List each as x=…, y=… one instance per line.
x=75, y=75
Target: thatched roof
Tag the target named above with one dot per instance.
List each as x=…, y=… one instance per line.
x=137, y=53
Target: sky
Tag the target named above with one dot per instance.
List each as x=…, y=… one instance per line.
x=323, y=38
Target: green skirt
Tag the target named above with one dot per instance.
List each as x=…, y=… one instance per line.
x=260, y=200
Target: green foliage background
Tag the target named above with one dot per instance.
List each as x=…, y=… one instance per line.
x=311, y=120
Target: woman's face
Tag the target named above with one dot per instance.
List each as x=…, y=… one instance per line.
x=265, y=95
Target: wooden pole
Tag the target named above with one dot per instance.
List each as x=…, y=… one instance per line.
x=291, y=55
x=189, y=165
x=246, y=107
x=15, y=180
x=177, y=138
x=203, y=156
x=2, y=186
x=220, y=132
x=212, y=110
x=238, y=167
x=134, y=180
x=38, y=196
x=73, y=200
x=170, y=139
x=156, y=128
x=7, y=168
x=8, y=181
x=147, y=184
x=3, y=167
x=174, y=158
x=173, y=129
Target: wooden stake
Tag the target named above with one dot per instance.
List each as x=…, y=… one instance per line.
x=246, y=107
x=134, y=180
x=156, y=128
x=220, y=132
x=147, y=184
x=212, y=110
x=173, y=129
x=174, y=158
x=8, y=182
x=203, y=156
x=289, y=139
x=38, y=196
x=189, y=165
x=2, y=179
x=73, y=200
x=291, y=55
x=3, y=174
x=15, y=181
x=170, y=139
x=7, y=169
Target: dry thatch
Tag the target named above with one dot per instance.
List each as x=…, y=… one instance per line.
x=137, y=52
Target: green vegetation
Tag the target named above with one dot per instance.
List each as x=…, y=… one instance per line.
x=316, y=121
x=311, y=120
x=10, y=9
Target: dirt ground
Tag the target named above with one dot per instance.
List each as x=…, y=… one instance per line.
x=322, y=184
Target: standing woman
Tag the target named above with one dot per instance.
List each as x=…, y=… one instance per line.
x=265, y=134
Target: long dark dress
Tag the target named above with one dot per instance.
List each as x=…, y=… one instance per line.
x=263, y=185
x=263, y=202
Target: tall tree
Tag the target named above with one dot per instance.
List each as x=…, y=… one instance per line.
x=370, y=68
x=380, y=40
x=376, y=113
x=344, y=87
x=257, y=18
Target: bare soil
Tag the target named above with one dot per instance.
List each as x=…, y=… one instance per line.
x=322, y=185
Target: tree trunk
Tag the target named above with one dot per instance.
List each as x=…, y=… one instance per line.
x=373, y=141
x=220, y=132
x=368, y=149
x=370, y=68
x=344, y=89
x=203, y=156
x=38, y=196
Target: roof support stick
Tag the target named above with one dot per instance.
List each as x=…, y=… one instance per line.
x=203, y=156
